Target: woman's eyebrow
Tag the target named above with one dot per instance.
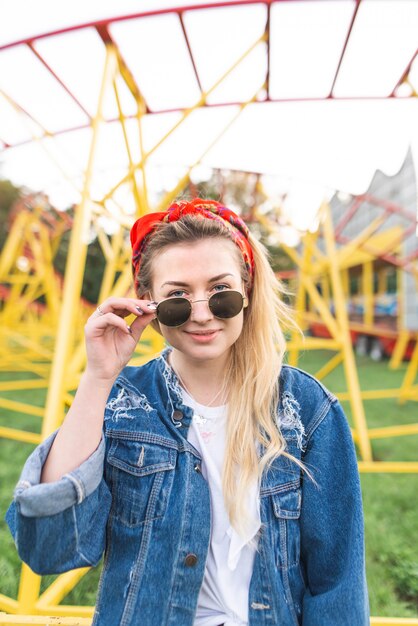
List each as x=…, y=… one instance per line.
x=181, y=284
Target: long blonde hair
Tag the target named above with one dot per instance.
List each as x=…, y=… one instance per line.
x=254, y=365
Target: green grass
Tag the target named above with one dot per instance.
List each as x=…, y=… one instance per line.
x=12, y=458
x=390, y=500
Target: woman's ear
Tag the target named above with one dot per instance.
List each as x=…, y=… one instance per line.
x=245, y=294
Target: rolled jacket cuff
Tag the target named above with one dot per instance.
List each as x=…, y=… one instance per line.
x=37, y=499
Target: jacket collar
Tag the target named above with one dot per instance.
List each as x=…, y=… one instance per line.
x=170, y=377
x=180, y=414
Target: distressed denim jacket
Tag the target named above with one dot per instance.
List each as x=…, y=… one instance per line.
x=141, y=499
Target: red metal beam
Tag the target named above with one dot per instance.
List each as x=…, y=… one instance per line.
x=282, y=100
x=386, y=255
x=412, y=256
x=268, y=23
x=388, y=208
x=57, y=78
x=104, y=34
x=35, y=121
x=291, y=99
x=350, y=212
x=385, y=205
x=392, y=207
x=106, y=37
x=123, y=18
x=349, y=215
x=353, y=18
x=405, y=73
x=398, y=240
x=102, y=27
x=208, y=106
x=192, y=59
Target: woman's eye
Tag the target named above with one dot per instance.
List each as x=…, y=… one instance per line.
x=179, y=293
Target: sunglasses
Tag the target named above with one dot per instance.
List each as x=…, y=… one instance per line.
x=224, y=304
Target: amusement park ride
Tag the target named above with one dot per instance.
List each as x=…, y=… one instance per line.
x=42, y=315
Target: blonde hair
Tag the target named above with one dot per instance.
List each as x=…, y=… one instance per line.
x=255, y=361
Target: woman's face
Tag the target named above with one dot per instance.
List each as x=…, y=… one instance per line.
x=196, y=271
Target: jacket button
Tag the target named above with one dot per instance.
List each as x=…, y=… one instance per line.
x=190, y=560
x=178, y=415
x=198, y=468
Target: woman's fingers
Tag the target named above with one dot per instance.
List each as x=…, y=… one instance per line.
x=124, y=307
x=111, y=313
x=111, y=319
x=107, y=349
x=105, y=321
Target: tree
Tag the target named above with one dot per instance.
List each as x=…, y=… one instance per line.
x=9, y=193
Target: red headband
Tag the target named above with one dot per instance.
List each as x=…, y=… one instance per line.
x=209, y=209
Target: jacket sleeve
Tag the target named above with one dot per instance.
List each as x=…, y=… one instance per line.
x=61, y=525
x=332, y=528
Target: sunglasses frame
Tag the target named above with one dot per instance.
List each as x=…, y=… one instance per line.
x=190, y=302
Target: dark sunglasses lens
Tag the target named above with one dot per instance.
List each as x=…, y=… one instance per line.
x=226, y=304
x=174, y=311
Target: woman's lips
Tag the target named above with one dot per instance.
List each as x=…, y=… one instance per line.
x=203, y=336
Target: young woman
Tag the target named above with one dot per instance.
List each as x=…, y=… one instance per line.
x=221, y=485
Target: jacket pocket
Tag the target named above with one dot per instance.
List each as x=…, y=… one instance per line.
x=286, y=508
x=141, y=480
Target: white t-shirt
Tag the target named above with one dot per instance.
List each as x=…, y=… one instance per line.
x=223, y=598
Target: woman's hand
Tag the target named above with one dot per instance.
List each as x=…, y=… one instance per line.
x=110, y=342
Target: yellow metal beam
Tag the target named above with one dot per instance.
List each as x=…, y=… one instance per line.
x=41, y=140
x=140, y=198
x=70, y=352
x=185, y=114
x=334, y=362
x=313, y=343
x=20, y=435
x=54, y=411
x=7, y=604
x=184, y=181
x=21, y=407
x=410, y=376
x=393, y=621
x=395, y=467
x=367, y=286
x=57, y=590
x=393, y=431
x=12, y=246
x=377, y=394
x=325, y=290
x=342, y=320
x=399, y=349
x=345, y=282
x=30, y=344
x=321, y=306
x=367, y=246
x=112, y=265
x=14, y=385
x=24, y=620
x=294, y=345
x=38, y=620
x=28, y=592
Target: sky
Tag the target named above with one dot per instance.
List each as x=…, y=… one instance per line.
x=307, y=148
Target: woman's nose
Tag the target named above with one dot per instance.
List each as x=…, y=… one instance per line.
x=200, y=311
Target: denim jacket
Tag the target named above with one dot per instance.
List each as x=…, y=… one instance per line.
x=141, y=499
